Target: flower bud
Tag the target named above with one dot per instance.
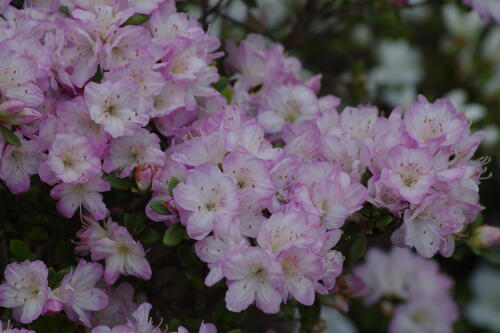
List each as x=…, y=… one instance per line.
x=15, y=113
x=485, y=236
x=52, y=306
x=144, y=176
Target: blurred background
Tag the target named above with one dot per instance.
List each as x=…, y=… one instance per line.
x=386, y=52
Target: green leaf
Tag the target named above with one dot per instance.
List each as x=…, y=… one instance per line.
x=97, y=76
x=187, y=257
x=56, y=277
x=134, y=222
x=10, y=137
x=174, y=235
x=136, y=19
x=37, y=234
x=491, y=256
x=172, y=183
x=159, y=207
x=226, y=319
x=149, y=235
x=358, y=247
x=221, y=84
x=288, y=309
x=19, y=249
x=64, y=9
x=118, y=183
x=174, y=324
x=228, y=94
x=309, y=316
x=383, y=222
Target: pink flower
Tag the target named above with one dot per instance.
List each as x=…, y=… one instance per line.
x=205, y=195
x=423, y=316
x=253, y=276
x=92, y=232
x=113, y=106
x=301, y=267
x=409, y=172
x=119, y=307
x=359, y=122
x=214, y=248
x=436, y=123
x=284, y=230
x=140, y=320
x=19, y=163
x=75, y=119
x=425, y=302
x=78, y=293
x=124, y=45
x=73, y=158
x=203, y=149
x=75, y=195
x=81, y=52
x=25, y=290
x=429, y=226
x=17, y=78
x=250, y=174
x=128, y=152
x=148, y=81
x=287, y=104
x=336, y=200
x=123, y=255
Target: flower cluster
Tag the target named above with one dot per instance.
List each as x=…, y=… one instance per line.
x=72, y=129
x=265, y=208
x=26, y=291
x=418, y=159
x=263, y=174
x=410, y=288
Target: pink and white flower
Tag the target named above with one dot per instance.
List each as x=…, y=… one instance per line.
x=113, y=106
x=25, y=290
x=73, y=158
x=409, y=173
x=123, y=255
x=253, y=276
x=128, y=152
x=205, y=195
x=78, y=292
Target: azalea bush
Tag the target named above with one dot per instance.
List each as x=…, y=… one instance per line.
x=228, y=166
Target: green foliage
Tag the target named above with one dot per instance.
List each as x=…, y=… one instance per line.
x=118, y=183
x=172, y=183
x=10, y=137
x=19, y=249
x=358, y=247
x=64, y=10
x=136, y=19
x=159, y=207
x=225, y=319
x=174, y=235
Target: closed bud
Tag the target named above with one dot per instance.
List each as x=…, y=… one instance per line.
x=144, y=176
x=485, y=236
x=15, y=113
